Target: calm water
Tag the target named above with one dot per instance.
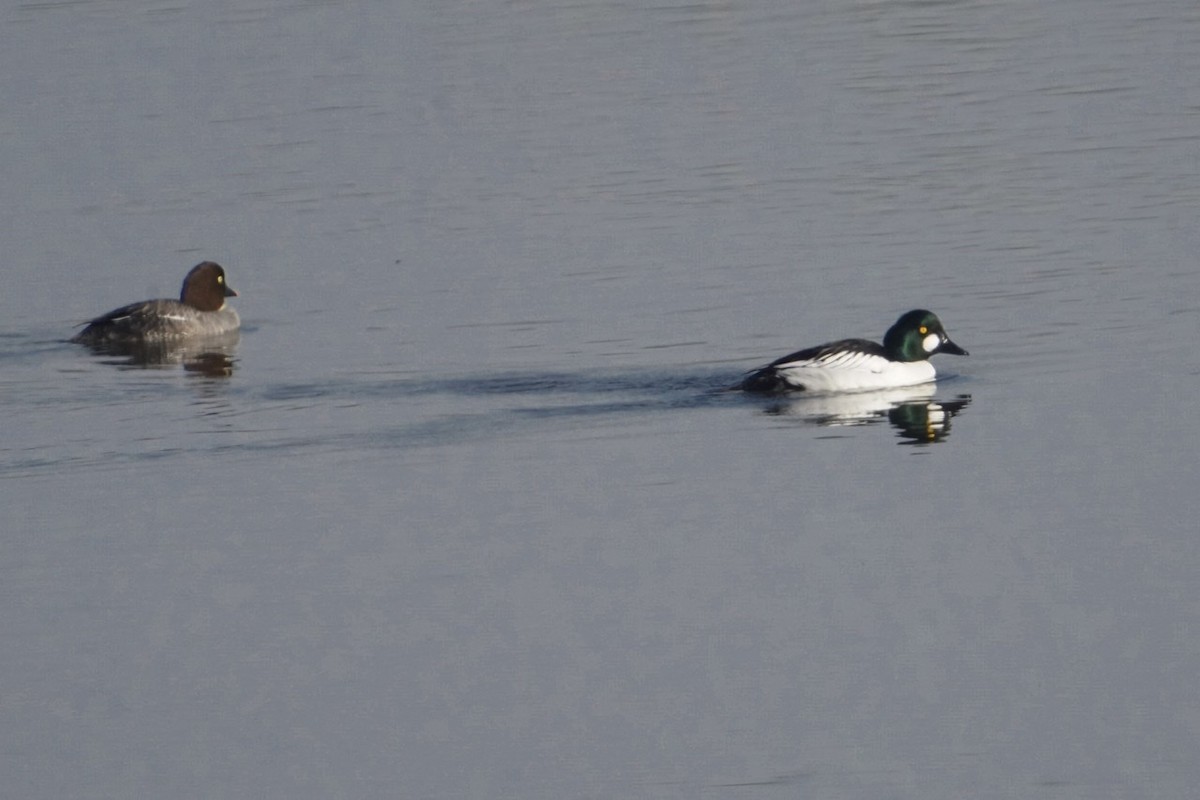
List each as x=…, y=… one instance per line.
x=465, y=516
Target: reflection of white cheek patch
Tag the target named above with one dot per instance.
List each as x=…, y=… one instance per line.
x=931, y=342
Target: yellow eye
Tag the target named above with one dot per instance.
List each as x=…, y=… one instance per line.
x=923, y=330
x=221, y=279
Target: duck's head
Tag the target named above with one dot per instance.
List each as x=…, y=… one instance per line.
x=917, y=335
x=204, y=288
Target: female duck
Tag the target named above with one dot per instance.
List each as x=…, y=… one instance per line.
x=859, y=365
x=200, y=311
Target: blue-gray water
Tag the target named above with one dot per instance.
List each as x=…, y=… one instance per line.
x=468, y=519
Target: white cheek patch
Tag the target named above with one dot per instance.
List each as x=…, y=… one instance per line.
x=931, y=342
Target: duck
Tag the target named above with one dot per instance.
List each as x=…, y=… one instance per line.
x=860, y=365
x=200, y=311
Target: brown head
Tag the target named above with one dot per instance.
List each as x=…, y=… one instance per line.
x=204, y=288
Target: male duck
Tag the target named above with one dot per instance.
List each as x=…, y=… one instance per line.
x=200, y=311
x=859, y=365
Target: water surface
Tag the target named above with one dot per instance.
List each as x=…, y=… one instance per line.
x=464, y=513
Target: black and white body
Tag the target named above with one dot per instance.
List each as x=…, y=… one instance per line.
x=860, y=365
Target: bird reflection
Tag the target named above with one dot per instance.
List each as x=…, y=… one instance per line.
x=918, y=417
x=920, y=423
x=211, y=356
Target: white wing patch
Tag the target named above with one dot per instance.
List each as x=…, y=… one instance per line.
x=850, y=360
x=853, y=371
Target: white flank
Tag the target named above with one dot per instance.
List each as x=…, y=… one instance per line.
x=853, y=371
